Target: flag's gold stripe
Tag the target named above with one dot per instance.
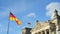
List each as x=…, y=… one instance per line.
x=18, y=22
x=12, y=18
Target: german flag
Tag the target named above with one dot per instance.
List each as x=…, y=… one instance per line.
x=12, y=17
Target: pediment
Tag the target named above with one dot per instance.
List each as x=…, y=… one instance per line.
x=36, y=27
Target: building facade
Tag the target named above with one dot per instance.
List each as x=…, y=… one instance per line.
x=26, y=30
x=48, y=27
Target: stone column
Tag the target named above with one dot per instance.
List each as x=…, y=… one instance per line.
x=41, y=32
x=49, y=31
x=45, y=32
x=56, y=29
x=57, y=32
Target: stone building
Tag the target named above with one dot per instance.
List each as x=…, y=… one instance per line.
x=26, y=30
x=49, y=27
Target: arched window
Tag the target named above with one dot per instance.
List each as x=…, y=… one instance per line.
x=47, y=31
x=43, y=32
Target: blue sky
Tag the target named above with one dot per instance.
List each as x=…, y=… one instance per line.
x=26, y=11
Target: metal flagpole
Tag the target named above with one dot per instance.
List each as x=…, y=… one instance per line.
x=8, y=25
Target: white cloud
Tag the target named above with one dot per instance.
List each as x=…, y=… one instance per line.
x=27, y=18
x=51, y=7
x=31, y=15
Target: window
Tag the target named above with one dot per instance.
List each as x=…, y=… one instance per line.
x=47, y=31
x=39, y=32
x=35, y=33
x=43, y=32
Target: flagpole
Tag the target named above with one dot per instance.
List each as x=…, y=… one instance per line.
x=8, y=25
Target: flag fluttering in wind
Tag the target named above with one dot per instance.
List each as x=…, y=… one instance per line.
x=12, y=17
